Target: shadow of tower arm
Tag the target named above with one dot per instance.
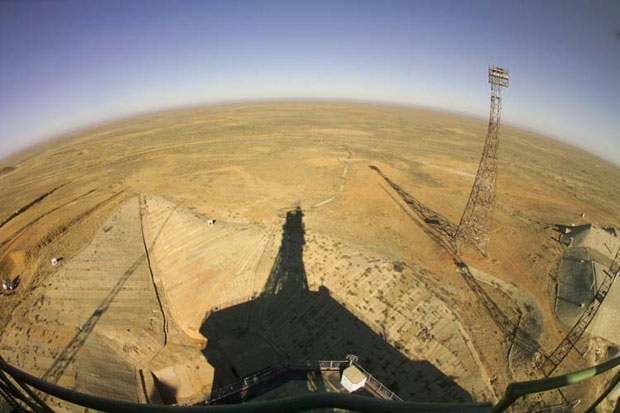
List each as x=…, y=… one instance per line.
x=288, y=273
x=441, y=226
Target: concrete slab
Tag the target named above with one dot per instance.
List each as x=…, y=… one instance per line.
x=576, y=289
x=606, y=323
x=578, y=283
x=602, y=241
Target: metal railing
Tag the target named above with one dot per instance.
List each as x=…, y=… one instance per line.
x=252, y=380
x=276, y=370
x=15, y=387
x=376, y=386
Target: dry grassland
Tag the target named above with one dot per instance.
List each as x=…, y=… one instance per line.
x=312, y=256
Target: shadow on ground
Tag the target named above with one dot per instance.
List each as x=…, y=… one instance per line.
x=290, y=322
x=442, y=231
x=68, y=354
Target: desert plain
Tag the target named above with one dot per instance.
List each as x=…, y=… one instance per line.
x=202, y=244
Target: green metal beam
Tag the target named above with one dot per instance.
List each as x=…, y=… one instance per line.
x=287, y=404
x=613, y=383
x=520, y=389
x=317, y=400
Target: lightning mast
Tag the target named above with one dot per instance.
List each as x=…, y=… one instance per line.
x=477, y=218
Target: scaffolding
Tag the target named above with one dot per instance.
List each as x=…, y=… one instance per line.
x=569, y=342
x=477, y=218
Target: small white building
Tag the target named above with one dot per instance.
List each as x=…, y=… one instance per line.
x=210, y=222
x=352, y=379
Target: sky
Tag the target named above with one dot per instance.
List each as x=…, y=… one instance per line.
x=68, y=64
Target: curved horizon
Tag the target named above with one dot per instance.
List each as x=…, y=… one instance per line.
x=128, y=117
x=68, y=66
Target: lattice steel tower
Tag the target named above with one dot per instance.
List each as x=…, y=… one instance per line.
x=478, y=215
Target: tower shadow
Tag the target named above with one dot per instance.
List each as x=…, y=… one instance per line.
x=289, y=322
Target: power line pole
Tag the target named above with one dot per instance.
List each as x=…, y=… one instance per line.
x=477, y=218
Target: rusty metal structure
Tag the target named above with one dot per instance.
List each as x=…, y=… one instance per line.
x=551, y=363
x=477, y=218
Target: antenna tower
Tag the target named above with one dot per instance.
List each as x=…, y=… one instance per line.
x=476, y=221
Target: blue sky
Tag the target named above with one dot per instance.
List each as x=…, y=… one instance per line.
x=65, y=64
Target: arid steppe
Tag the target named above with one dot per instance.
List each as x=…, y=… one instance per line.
x=312, y=255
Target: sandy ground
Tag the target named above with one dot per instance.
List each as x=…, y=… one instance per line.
x=248, y=167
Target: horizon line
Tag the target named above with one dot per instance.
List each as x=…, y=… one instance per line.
x=119, y=118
